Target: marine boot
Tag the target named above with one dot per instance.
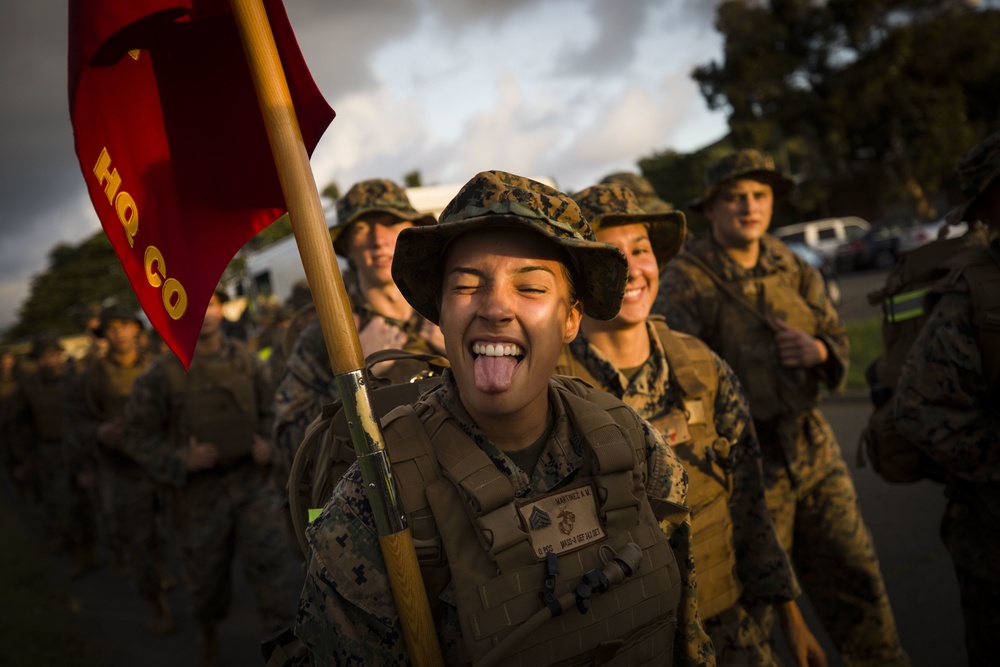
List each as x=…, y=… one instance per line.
x=206, y=646
x=159, y=618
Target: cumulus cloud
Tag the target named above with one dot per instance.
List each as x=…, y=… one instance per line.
x=566, y=89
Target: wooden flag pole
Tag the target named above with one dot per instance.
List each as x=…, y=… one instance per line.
x=339, y=332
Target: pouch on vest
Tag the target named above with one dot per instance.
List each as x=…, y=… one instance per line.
x=327, y=451
x=932, y=268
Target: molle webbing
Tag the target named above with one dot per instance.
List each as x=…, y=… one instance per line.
x=468, y=506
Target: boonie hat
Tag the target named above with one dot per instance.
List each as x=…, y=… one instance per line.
x=377, y=195
x=748, y=163
x=611, y=205
x=496, y=199
x=975, y=171
x=643, y=190
x=117, y=311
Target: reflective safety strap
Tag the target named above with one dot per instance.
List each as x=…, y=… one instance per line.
x=906, y=306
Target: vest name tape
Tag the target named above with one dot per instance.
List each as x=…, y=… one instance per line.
x=563, y=521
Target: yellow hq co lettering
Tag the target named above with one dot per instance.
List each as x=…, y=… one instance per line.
x=173, y=294
x=124, y=205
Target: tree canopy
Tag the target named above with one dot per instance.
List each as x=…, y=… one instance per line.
x=893, y=91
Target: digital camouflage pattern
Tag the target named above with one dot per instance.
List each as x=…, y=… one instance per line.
x=643, y=190
x=610, y=205
x=219, y=512
x=308, y=383
x=498, y=198
x=130, y=500
x=945, y=405
x=809, y=490
x=365, y=628
x=763, y=566
x=749, y=163
x=377, y=195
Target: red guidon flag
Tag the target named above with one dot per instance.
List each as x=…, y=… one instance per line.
x=172, y=145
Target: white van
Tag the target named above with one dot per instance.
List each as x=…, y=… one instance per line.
x=824, y=235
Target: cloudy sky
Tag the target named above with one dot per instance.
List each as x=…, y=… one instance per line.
x=568, y=89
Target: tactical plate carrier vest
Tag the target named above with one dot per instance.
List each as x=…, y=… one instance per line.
x=106, y=393
x=705, y=456
x=216, y=401
x=747, y=310
x=497, y=552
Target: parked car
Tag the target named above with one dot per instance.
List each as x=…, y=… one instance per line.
x=877, y=248
x=926, y=232
x=823, y=236
x=825, y=265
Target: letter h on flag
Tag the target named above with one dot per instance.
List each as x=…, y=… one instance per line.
x=172, y=144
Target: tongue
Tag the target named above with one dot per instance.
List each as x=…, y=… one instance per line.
x=494, y=374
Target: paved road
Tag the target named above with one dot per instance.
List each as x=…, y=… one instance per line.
x=855, y=287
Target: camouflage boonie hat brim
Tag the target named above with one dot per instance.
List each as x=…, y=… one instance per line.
x=377, y=195
x=496, y=199
x=117, y=311
x=643, y=190
x=975, y=171
x=751, y=164
x=612, y=205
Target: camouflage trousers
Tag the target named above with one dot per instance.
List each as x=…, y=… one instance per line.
x=236, y=511
x=970, y=531
x=69, y=511
x=821, y=527
x=739, y=639
x=132, y=504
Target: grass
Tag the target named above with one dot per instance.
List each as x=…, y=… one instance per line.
x=866, y=346
x=37, y=625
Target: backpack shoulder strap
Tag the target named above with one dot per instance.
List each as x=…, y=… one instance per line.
x=726, y=288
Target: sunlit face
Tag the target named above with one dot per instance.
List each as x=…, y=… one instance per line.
x=740, y=212
x=213, y=318
x=6, y=363
x=643, y=274
x=371, y=242
x=506, y=311
x=122, y=335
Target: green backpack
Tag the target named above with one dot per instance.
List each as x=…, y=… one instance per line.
x=907, y=300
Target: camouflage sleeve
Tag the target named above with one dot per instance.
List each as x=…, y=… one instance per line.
x=939, y=398
x=147, y=428
x=264, y=387
x=307, y=385
x=80, y=424
x=762, y=563
x=685, y=302
x=668, y=481
x=346, y=612
x=829, y=328
x=18, y=427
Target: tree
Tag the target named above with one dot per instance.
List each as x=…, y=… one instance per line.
x=412, y=179
x=891, y=91
x=76, y=276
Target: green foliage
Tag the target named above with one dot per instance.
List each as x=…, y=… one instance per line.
x=77, y=277
x=331, y=191
x=891, y=91
x=412, y=179
x=866, y=346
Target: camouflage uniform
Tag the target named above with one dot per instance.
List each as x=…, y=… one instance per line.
x=130, y=499
x=341, y=631
x=308, y=382
x=643, y=190
x=234, y=507
x=762, y=564
x=342, y=623
x=809, y=489
x=946, y=404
